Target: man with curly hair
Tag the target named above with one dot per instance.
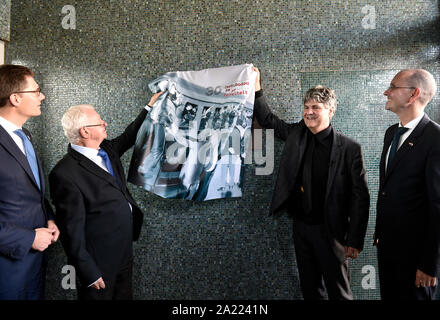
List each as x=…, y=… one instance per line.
x=322, y=184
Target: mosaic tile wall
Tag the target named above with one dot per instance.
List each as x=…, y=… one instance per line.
x=5, y=19
x=222, y=249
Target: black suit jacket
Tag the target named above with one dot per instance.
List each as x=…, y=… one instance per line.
x=347, y=200
x=92, y=210
x=408, y=206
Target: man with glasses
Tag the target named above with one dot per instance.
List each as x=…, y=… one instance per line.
x=97, y=216
x=407, y=234
x=27, y=224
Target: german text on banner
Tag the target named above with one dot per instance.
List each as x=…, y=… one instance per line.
x=193, y=142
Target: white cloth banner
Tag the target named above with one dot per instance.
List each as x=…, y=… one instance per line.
x=193, y=142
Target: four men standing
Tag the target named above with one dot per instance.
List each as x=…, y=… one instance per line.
x=321, y=183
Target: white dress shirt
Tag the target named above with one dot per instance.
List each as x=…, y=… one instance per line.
x=410, y=125
x=91, y=154
x=10, y=128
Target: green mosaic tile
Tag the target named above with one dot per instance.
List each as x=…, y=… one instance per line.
x=223, y=249
x=5, y=19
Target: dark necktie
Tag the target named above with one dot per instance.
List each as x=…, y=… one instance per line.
x=395, y=143
x=103, y=154
x=30, y=155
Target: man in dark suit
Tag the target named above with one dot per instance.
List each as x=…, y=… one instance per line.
x=27, y=224
x=322, y=183
x=98, y=217
x=407, y=232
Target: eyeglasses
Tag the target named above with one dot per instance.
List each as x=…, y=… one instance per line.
x=38, y=92
x=97, y=125
x=394, y=87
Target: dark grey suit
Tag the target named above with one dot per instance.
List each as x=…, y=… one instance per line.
x=346, y=206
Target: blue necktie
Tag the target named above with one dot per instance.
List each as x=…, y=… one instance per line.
x=395, y=143
x=103, y=154
x=30, y=155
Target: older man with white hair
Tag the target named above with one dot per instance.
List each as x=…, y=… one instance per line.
x=94, y=208
x=407, y=232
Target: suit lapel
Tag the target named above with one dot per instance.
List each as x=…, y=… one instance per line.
x=301, y=147
x=387, y=143
x=293, y=154
x=335, y=158
x=93, y=168
x=114, y=161
x=406, y=146
x=14, y=150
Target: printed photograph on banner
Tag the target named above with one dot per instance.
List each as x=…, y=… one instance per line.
x=193, y=142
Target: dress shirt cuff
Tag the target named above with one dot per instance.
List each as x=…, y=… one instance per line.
x=92, y=283
x=148, y=108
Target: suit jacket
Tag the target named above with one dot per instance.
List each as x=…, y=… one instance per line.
x=92, y=209
x=346, y=206
x=408, y=206
x=23, y=208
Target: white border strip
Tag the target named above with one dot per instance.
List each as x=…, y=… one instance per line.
x=2, y=52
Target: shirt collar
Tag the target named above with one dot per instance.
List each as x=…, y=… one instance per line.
x=321, y=136
x=8, y=125
x=88, y=152
x=414, y=122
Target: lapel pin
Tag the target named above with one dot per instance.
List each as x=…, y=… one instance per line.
x=411, y=144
